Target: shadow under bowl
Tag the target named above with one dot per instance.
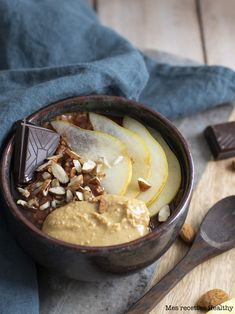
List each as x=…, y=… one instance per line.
x=97, y=263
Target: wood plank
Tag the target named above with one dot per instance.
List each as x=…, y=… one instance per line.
x=219, y=27
x=169, y=25
x=217, y=182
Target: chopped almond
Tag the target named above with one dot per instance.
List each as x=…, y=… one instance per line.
x=103, y=205
x=88, y=166
x=143, y=184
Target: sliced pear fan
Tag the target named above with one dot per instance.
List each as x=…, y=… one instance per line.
x=158, y=168
x=174, y=178
x=95, y=145
x=137, y=149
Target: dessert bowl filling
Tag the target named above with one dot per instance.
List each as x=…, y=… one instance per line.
x=109, y=181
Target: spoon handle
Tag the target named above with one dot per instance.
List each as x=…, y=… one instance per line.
x=199, y=252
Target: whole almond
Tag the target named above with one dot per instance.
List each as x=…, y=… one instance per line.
x=212, y=298
x=187, y=233
x=164, y=213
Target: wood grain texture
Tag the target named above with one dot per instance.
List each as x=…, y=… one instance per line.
x=169, y=25
x=221, y=239
x=217, y=181
x=219, y=27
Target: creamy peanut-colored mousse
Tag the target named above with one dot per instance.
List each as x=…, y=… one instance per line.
x=108, y=220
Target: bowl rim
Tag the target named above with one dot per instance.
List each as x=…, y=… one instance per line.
x=12, y=206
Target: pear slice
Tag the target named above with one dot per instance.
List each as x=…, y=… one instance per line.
x=174, y=178
x=95, y=146
x=138, y=150
x=158, y=167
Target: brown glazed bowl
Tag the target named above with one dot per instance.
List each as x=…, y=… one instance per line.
x=94, y=263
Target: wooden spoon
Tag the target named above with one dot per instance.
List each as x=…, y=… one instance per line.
x=216, y=235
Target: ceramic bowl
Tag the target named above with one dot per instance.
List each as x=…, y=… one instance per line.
x=94, y=263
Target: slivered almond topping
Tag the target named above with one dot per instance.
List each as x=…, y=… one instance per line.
x=69, y=196
x=38, y=184
x=95, y=181
x=45, y=184
x=61, y=148
x=87, y=195
x=45, y=205
x=101, y=175
x=77, y=165
x=98, y=190
x=46, y=189
x=21, y=202
x=55, y=183
x=44, y=166
x=53, y=203
x=72, y=154
x=63, y=178
x=59, y=173
x=59, y=190
x=46, y=175
x=75, y=182
x=33, y=203
x=55, y=158
x=24, y=192
x=87, y=188
x=73, y=172
x=88, y=166
x=80, y=196
x=36, y=191
x=143, y=184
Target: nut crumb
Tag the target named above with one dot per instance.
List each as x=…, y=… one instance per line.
x=143, y=184
x=88, y=166
x=72, y=154
x=24, y=192
x=59, y=173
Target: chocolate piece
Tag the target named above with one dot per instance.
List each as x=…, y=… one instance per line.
x=221, y=139
x=33, y=144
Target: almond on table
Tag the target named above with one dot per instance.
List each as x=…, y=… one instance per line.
x=212, y=298
x=187, y=233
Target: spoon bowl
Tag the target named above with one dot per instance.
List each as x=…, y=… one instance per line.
x=218, y=227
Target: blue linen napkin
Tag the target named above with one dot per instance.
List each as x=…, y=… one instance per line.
x=53, y=49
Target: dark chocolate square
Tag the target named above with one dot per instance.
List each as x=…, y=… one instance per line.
x=221, y=139
x=33, y=144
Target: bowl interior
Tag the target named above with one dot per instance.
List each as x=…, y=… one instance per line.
x=119, y=107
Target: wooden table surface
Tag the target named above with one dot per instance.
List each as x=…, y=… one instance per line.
x=202, y=30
